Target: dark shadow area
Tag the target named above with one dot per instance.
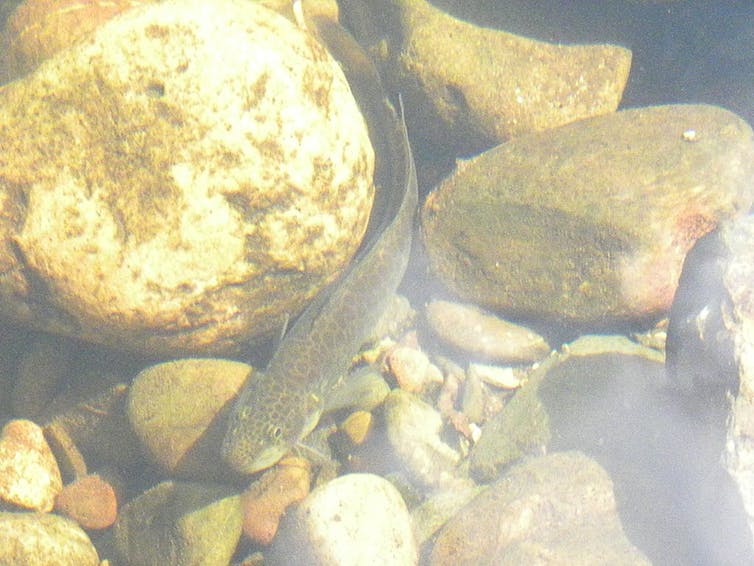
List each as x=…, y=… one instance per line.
x=662, y=451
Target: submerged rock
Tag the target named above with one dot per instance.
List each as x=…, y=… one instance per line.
x=467, y=87
x=590, y=222
x=355, y=519
x=556, y=509
x=177, y=179
x=180, y=523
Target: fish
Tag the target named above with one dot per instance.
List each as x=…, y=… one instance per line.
x=278, y=407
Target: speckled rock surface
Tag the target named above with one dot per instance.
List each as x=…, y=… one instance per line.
x=37, y=29
x=29, y=475
x=468, y=87
x=591, y=221
x=177, y=410
x=37, y=539
x=556, y=509
x=180, y=523
x=221, y=174
x=356, y=519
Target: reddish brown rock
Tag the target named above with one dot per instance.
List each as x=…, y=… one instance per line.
x=91, y=501
x=29, y=475
x=412, y=369
x=266, y=500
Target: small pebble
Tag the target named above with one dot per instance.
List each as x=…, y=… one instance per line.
x=412, y=369
x=267, y=499
x=357, y=426
x=29, y=474
x=91, y=501
x=497, y=376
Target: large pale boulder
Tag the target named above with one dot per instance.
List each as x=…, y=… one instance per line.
x=590, y=222
x=179, y=181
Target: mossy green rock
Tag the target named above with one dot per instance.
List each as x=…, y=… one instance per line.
x=590, y=221
x=182, y=524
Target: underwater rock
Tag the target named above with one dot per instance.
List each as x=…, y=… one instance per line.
x=356, y=519
x=29, y=475
x=180, y=523
x=40, y=371
x=180, y=180
x=90, y=500
x=265, y=502
x=178, y=410
x=467, y=88
x=710, y=343
x=38, y=538
x=556, y=509
x=413, y=428
x=483, y=334
x=590, y=222
x=37, y=29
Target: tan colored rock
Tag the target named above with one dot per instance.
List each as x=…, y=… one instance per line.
x=179, y=180
x=467, y=88
x=177, y=410
x=590, y=222
x=29, y=475
x=35, y=539
x=480, y=333
x=38, y=29
x=412, y=369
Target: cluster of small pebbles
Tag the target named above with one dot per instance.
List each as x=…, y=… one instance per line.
x=564, y=377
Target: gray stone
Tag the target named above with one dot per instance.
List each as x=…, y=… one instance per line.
x=590, y=222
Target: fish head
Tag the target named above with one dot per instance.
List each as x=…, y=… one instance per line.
x=266, y=423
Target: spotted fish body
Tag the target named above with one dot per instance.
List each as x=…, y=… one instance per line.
x=280, y=406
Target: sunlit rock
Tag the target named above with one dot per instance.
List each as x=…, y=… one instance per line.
x=180, y=180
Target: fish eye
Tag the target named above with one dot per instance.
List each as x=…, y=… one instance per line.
x=275, y=432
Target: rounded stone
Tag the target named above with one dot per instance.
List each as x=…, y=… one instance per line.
x=221, y=174
x=356, y=519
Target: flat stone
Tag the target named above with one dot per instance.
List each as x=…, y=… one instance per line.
x=179, y=180
x=467, y=87
x=590, y=222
